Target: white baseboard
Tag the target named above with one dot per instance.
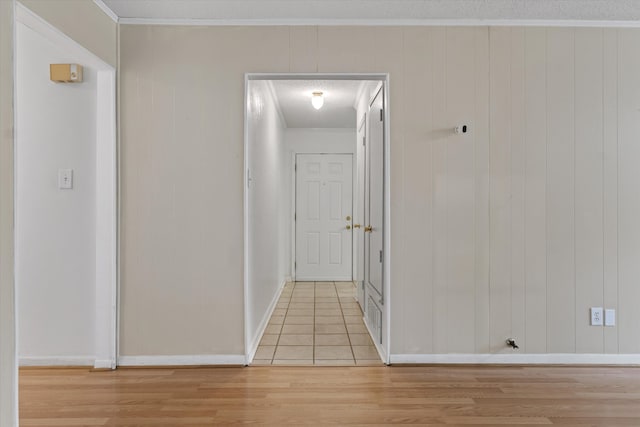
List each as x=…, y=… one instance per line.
x=525, y=359
x=56, y=361
x=288, y=279
x=182, y=360
x=253, y=346
x=104, y=364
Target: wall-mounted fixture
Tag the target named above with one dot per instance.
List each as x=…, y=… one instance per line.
x=461, y=129
x=317, y=100
x=65, y=73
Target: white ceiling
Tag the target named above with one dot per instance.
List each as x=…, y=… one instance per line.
x=294, y=97
x=371, y=11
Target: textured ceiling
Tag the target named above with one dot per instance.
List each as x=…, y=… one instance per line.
x=311, y=11
x=294, y=97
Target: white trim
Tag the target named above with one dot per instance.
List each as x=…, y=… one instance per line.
x=57, y=361
x=386, y=265
x=107, y=10
x=183, y=360
x=106, y=277
x=245, y=190
x=251, y=350
x=276, y=101
x=533, y=359
x=104, y=364
x=385, y=22
x=292, y=214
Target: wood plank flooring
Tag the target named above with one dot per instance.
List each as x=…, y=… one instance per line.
x=458, y=395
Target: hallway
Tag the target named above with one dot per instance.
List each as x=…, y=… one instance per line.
x=317, y=323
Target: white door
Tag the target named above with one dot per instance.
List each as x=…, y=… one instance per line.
x=324, y=217
x=373, y=218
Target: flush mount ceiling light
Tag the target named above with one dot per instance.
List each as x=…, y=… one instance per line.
x=317, y=100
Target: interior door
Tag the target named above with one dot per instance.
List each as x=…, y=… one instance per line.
x=324, y=203
x=358, y=232
x=374, y=215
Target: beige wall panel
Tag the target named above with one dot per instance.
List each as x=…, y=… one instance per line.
x=347, y=49
x=518, y=209
x=560, y=191
x=303, y=42
x=588, y=186
x=8, y=363
x=415, y=285
x=610, y=181
x=500, y=187
x=460, y=202
x=83, y=21
x=535, y=190
x=629, y=196
x=439, y=144
x=481, y=153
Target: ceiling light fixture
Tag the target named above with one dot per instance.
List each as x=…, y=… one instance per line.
x=317, y=100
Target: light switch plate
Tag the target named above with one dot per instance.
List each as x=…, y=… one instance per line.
x=596, y=316
x=610, y=317
x=65, y=179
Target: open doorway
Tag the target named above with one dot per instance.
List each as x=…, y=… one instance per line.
x=316, y=219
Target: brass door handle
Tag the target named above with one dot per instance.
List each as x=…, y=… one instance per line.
x=348, y=227
x=368, y=229
x=356, y=225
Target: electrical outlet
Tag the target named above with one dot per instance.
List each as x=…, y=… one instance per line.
x=596, y=316
x=609, y=317
x=65, y=179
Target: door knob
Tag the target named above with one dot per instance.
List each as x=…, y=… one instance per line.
x=348, y=227
x=368, y=229
x=348, y=217
x=356, y=225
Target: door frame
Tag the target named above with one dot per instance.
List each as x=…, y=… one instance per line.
x=294, y=196
x=384, y=79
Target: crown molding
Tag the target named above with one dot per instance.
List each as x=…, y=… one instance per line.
x=107, y=10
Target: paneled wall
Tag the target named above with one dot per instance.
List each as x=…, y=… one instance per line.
x=511, y=230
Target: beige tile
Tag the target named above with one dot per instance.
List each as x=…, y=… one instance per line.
x=276, y=320
x=357, y=328
x=286, y=362
x=360, y=339
x=269, y=339
x=332, y=339
x=329, y=320
x=365, y=352
x=296, y=339
x=326, y=299
x=297, y=329
x=351, y=311
x=265, y=352
x=298, y=320
x=329, y=312
x=279, y=312
x=334, y=362
x=282, y=306
x=301, y=306
x=327, y=306
x=259, y=362
x=273, y=329
x=294, y=352
x=353, y=320
x=333, y=352
x=302, y=284
x=306, y=312
x=324, y=284
x=302, y=299
x=325, y=294
x=350, y=306
x=330, y=329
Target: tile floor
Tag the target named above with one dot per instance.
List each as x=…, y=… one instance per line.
x=317, y=323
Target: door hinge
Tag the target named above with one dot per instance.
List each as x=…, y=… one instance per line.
x=381, y=115
x=380, y=256
x=295, y=216
x=295, y=167
x=364, y=140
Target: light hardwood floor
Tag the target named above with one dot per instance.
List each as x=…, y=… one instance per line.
x=465, y=395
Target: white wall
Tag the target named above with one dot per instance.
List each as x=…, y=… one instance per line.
x=301, y=141
x=267, y=208
x=55, y=229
